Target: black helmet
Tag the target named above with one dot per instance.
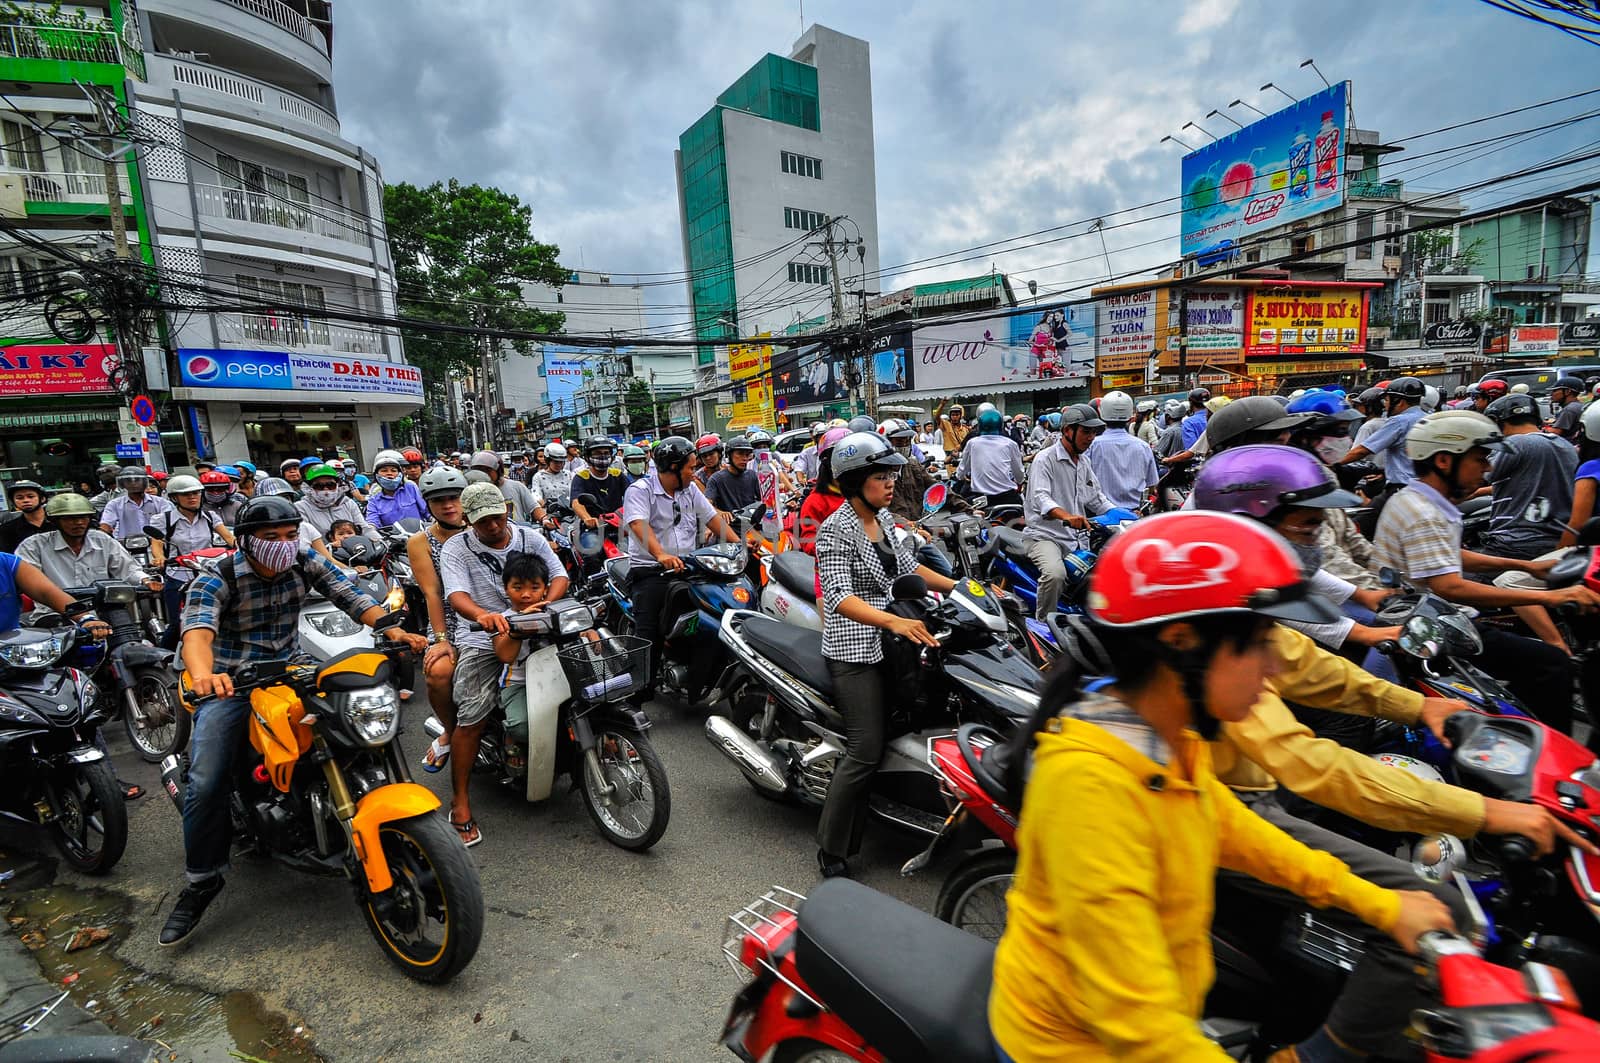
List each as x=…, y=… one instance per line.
x=862, y=423
x=25, y=485
x=1199, y=395
x=1370, y=396
x=1081, y=414
x=265, y=511
x=672, y=453
x=1513, y=407
x=594, y=443
x=738, y=443
x=1407, y=387
x=1236, y=422
x=1571, y=383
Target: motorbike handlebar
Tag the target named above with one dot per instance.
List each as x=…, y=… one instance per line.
x=1569, y=609
x=1517, y=848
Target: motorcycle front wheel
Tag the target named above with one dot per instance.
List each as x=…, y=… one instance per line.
x=166, y=727
x=430, y=921
x=806, y=1051
x=91, y=824
x=973, y=898
x=633, y=814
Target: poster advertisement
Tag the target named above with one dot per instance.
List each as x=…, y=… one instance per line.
x=1306, y=320
x=891, y=362
x=1534, y=339
x=1283, y=168
x=1060, y=343
x=56, y=369
x=808, y=376
x=1215, y=319
x=563, y=378
x=293, y=371
x=749, y=367
x=1053, y=344
x=1126, y=331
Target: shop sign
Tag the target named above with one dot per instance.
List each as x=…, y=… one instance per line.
x=1580, y=333
x=1125, y=326
x=58, y=418
x=563, y=378
x=1211, y=379
x=1306, y=320
x=1122, y=380
x=56, y=369
x=1451, y=334
x=1326, y=365
x=288, y=371
x=1215, y=319
x=1398, y=359
x=1534, y=339
x=748, y=360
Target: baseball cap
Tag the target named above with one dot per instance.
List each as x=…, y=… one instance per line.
x=482, y=500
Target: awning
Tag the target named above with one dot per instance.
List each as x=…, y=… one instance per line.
x=1020, y=387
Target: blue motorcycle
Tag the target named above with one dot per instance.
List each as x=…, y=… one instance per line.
x=694, y=662
x=1005, y=553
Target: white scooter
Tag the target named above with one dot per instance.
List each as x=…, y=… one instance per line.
x=325, y=630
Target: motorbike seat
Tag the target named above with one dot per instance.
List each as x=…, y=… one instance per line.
x=620, y=569
x=797, y=650
x=796, y=572
x=1012, y=544
x=913, y=987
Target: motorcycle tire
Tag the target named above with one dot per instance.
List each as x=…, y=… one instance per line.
x=154, y=742
x=430, y=866
x=808, y=1051
x=970, y=894
x=90, y=790
x=643, y=775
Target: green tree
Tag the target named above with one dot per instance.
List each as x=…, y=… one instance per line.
x=461, y=255
x=640, y=416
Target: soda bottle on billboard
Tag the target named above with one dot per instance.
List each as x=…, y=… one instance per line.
x=1327, y=150
x=1300, y=166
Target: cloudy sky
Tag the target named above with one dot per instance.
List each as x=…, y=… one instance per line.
x=994, y=119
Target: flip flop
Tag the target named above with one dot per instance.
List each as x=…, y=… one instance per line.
x=436, y=757
x=469, y=832
x=130, y=791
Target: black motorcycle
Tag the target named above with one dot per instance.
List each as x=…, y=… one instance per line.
x=55, y=777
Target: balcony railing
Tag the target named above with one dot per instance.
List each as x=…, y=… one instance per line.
x=270, y=97
x=239, y=204
x=22, y=40
x=285, y=17
x=287, y=330
x=62, y=187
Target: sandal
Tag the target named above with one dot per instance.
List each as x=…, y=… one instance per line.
x=436, y=757
x=469, y=832
x=130, y=791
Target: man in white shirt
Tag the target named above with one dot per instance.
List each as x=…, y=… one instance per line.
x=1124, y=465
x=1062, y=495
x=127, y=514
x=992, y=462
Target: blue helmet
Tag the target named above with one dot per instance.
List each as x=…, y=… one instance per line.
x=306, y=463
x=1051, y=421
x=231, y=472
x=246, y=466
x=1325, y=403
x=989, y=423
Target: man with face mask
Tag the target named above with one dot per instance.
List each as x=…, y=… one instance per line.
x=325, y=501
x=27, y=498
x=221, y=501
x=248, y=610
x=634, y=462
x=395, y=498
x=126, y=515
x=74, y=554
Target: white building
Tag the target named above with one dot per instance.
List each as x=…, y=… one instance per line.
x=787, y=148
x=254, y=193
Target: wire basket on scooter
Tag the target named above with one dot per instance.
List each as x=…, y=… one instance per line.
x=612, y=669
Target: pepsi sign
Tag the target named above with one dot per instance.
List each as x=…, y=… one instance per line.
x=250, y=370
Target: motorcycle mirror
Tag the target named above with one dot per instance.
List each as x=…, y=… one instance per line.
x=1388, y=577
x=909, y=588
x=1589, y=534
x=153, y=532
x=934, y=498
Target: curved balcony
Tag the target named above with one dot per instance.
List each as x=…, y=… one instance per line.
x=321, y=219
x=250, y=34
x=228, y=89
x=285, y=18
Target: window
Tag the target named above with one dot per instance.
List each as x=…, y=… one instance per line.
x=264, y=194
x=795, y=218
x=807, y=273
x=284, y=327
x=803, y=165
x=1364, y=229
x=1302, y=243
x=1391, y=242
x=25, y=275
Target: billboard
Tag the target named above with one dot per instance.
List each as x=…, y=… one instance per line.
x=1283, y=168
x=1055, y=344
x=563, y=378
x=891, y=362
x=56, y=369
x=1215, y=319
x=296, y=371
x=807, y=376
x=1060, y=343
x=1534, y=339
x=1126, y=333
x=1305, y=319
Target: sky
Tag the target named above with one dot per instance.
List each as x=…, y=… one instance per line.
x=993, y=119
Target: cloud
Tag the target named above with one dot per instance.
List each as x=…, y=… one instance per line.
x=1199, y=16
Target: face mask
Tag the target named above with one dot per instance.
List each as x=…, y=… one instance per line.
x=325, y=498
x=1331, y=448
x=636, y=468
x=1310, y=557
x=390, y=484
x=273, y=557
x=217, y=494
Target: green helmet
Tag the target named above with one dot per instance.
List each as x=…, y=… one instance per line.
x=317, y=472
x=68, y=505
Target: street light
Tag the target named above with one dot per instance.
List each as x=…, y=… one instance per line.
x=1203, y=129
x=1274, y=87
x=1253, y=107
x=1175, y=140
x=1229, y=117
x=1312, y=63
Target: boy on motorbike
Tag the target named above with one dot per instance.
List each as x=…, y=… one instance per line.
x=249, y=610
x=1124, y=823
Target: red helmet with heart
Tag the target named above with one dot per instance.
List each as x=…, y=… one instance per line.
x=1175, y=566
x=213, y=478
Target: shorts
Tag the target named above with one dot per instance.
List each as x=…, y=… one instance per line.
x=1521, y=581
x=514, y=700
x=476, y=686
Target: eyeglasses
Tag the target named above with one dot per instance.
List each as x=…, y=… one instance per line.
x=884, y=477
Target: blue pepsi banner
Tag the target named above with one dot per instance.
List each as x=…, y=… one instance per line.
x=296, y=371
x=1286, y=167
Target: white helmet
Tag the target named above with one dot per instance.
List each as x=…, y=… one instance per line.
x=1144, y=405
x=1516, y=389
x=894, y=427
x=388, y=457
x=1174, y=408
x=553, y=451
x=182, y=485
x=1451, y=432
x=1591, y=420
x=1430, y=397
x=1296, y=393
x=1116, y=406
x=983, y=407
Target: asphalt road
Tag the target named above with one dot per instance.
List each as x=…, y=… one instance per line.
x=589, y=952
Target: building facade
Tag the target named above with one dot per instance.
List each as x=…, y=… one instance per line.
x=777, y=193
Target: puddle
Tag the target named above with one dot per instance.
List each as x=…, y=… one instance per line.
x=192, y=1025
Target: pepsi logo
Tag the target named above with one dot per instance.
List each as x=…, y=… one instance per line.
x=201, y=368
x=1157, y=566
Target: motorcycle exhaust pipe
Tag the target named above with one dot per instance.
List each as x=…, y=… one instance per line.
x=172, y=779
x=432, y=727
x=764, y=769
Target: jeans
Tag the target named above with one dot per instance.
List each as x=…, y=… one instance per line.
x=1046, y=557
x=207, y=825
x=172, y=601
x=1373, y=1011
x=649, y=593
x=935, y=559
x=858, y=695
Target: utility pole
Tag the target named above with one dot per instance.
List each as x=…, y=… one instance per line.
x=1183, y=337
x=655, y=407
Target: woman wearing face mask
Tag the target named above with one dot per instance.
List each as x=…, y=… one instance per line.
x=1292, y=492
x=395, y=497
x=441, y=489
x=634, y=462
x=1346, y=553
x=188, y=528
x=324, y=501
x=219, y=500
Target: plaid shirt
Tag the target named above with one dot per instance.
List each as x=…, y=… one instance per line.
x=259, y=619
x=848, y=566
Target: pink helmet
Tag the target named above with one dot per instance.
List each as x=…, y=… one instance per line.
x=829, y=438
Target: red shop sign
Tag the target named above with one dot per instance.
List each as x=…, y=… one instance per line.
x=55, y=369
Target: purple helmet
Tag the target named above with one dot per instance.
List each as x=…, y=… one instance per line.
x=1257, y=480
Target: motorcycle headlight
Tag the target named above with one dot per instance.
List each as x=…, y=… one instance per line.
x=333, y=624
x=571, y=620
x=722, y=564
x=32, y=649
x=372, y=715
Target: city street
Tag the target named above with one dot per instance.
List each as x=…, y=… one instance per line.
x=589, y=952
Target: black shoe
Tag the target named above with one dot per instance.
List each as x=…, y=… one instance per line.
x=832, y=866
x=187, y=910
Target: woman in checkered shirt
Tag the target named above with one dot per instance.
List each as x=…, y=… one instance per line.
x=858, y=560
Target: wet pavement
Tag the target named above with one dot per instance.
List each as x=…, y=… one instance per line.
x=589, y=952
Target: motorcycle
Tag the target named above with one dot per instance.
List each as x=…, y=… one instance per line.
x=580, y=724
x=328, y=791
x=786, y=737
x=397, y=567
x=694, y=666
x=325, y=630
x=55, y=776
x=1011, y=569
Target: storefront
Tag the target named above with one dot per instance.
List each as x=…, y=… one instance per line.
x=265, y=406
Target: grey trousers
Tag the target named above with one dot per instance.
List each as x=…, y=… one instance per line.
x=1046, y=557
x=1374, y=1009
